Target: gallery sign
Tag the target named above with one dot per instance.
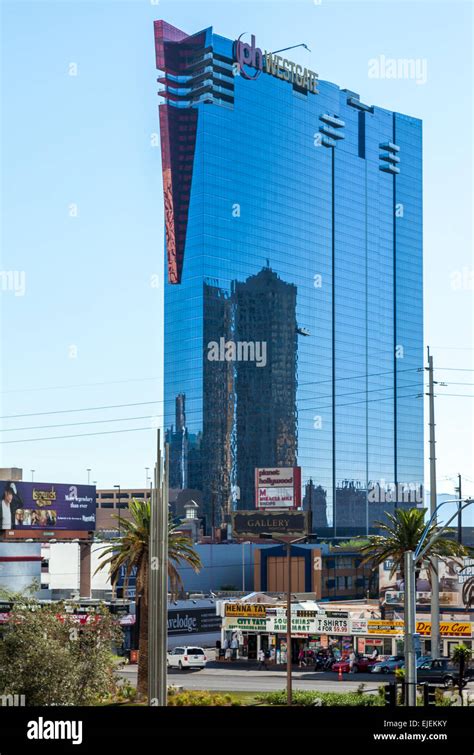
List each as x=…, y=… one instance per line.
x=249, y=56
x=255, y=523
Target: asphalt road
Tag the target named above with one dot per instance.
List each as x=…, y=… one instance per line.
x=251, y=680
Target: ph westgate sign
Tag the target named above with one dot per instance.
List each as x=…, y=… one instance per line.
x=249, y=56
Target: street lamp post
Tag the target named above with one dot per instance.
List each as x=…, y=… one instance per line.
x=287, y=544
x=244, y=543
x=410, y=561
x=88, y=476
x=119, y=507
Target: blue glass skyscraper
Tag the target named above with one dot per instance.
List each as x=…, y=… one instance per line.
x=293, y=294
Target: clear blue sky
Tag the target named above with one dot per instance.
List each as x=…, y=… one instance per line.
x=87, y=139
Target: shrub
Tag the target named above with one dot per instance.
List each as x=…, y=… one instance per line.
x=49, y=658
x=323, y=699
x=198, y=697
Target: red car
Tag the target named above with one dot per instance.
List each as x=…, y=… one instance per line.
x=360, y=665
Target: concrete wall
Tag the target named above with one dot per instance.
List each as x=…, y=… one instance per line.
x=222, y=565
x=64, y=567
x=20, y=565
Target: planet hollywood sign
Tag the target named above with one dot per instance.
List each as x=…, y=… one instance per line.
x=249, y=56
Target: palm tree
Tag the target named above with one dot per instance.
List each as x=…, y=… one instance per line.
x=461, y=657
x=403, y=532
x=131, y=551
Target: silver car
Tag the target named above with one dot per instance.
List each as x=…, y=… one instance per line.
x=389, y=665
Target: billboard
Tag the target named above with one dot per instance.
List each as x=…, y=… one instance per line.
x=256, y=523
x=193, y=621
x=278, y=488
x=456, y=584
x=28, y=506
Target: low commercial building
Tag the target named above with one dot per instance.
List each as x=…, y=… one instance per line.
x=330, y=573
x=259, y=621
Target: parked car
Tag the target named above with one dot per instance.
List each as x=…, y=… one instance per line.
x=388, y=665
x=441, y=671
x=360, y=665
x=187, y=657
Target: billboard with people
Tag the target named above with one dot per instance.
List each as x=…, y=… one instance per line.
x=46, y=506
x=456, y=584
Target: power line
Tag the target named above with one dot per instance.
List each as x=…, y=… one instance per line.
x=157, y=416
x=74, y=424
x=80, y=385
x=136, y=429
x=86, y=409
x=162, y=401
x=451, y=383
x=82, y=435
x=457, y=395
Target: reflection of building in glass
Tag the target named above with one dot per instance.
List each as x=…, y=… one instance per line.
x=185, y=461
x=315, y=500
x=265, y=313
x=351, y=505
x=218, y=409
x=340, y=219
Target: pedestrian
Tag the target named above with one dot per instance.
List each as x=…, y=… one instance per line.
x=374, y=654
x=262, y=661
x=352, y=658
x=301, y=658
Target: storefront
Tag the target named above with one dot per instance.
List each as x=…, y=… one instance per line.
x=249, y=628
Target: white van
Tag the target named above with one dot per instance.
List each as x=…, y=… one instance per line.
x=187, y=657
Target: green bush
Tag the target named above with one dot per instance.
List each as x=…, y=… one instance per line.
x=49, y=658
x=323, y=699
x=197, y=697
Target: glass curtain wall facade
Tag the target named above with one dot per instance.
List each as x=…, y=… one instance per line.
x=293, y=293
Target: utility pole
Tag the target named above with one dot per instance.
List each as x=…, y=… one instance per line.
x=459, y=492
x=433, y=504
x=410, y=627
x=289, y=659
x=158, y=582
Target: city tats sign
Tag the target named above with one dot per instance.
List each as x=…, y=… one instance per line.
x=249, y=56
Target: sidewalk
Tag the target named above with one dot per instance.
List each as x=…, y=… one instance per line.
x=241, y=667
